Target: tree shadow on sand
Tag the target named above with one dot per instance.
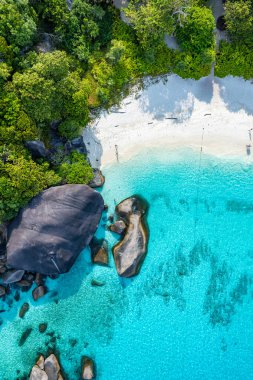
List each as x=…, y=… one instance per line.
x=236, y=93
x=174, y=96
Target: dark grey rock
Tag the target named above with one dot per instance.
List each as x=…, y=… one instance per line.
x=77, y=142
x=130, y=252
x=99, y=251
x=39, y=292
x=24, y=336
x=13, y=276
x=42, y=327
x=36, y=148
x=3, y=239
x=23, y=310
x=98, y=179
x=48, y=235
x=88, y=368
x=119, y=227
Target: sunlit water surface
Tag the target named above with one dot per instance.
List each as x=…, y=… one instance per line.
x=189, y=313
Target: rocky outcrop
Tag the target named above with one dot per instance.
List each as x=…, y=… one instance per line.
x=46, y=369
x=47, y=236
x=99, y=251
x=37, y=149
x=98, y=179
x=130, y=252
x=88, y=368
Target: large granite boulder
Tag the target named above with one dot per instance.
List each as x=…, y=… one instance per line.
x=47, y=236
x=130, y=252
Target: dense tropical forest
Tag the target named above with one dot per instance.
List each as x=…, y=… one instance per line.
x=60, y=62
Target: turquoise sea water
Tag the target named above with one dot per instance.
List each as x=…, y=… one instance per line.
x=189, y=313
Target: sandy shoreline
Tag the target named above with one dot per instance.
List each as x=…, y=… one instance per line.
x=175, y=113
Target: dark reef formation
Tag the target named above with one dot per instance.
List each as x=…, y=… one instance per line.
x=130, y=252
x=48, y=235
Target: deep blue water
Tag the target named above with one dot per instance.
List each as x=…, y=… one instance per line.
x=189, y=313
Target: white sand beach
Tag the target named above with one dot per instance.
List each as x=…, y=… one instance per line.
x=172, y=112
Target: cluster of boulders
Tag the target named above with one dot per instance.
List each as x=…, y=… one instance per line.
x=47, y=236
x=46, y=369
x=50, y=369
x=130, y=252
x=18, y=279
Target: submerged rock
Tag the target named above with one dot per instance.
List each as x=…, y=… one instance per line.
x=130, y=252
x=39, y=292
x=99, y=251
x=98, y=179
x=48, y=235
x=88, y=368
x=42, y=327
x=24, y=336
x=23, y=310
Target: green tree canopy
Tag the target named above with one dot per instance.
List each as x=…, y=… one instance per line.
x=20, y=180
x=17, y=23
x=197, y=32
x=50, y=89
x=239, y=20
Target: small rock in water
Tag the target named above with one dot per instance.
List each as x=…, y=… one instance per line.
x=39, y=292
x=41, y=362
x=42, y=327
x=25, y=285
x=24, y=309
x=73, y=342
x=13, y=276
x=99, y=251
x=39, y=279
x=111, y=218
x=119, y=227
x=24, y=336
x=97, y=283
x=88, y=368
x=98, y=179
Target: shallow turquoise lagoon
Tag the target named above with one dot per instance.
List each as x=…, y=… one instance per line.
x=189, y=313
